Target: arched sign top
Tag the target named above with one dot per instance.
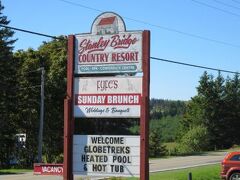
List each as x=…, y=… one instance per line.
x=108, y=23
x=108, y=48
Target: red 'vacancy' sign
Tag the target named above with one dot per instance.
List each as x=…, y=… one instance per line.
x=48, y=169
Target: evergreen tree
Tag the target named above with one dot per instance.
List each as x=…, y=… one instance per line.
x=216, y=108
x=232, y=110
x=7, y=91
x=156, y=147
x=194, y=115
x=217, y=114
x=28, y=110
x=211, y=93
x=53, y=56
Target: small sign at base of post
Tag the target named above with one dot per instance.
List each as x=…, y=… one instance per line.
x=48, y=169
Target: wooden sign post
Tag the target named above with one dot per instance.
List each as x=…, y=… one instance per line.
x=95, y=90
x=144, y=119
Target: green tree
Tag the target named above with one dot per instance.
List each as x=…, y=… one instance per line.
x=216, y=107
x=7, y=91
x=28, y=103
x=212, y=92
x=195, y=140
x=232, y=110
x=162, y=108
x=51, y=55
x=54, y=55
x=156, y=147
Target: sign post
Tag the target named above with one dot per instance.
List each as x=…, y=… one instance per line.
x=68, y=114
x=108, y=77
x=144, y=120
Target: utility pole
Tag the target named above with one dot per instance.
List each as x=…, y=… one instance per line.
x=40, y=134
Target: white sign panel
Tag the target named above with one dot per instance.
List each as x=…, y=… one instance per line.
x=107, y=97
x=109, y=48
x=104, y=155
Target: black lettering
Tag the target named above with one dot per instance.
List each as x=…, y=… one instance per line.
x=99, y=168
x=114, y=158
x=117, y=168
x=83, y=158
x=113, y=150
x=94, y=140
x=86, y=149
x=127, y=150
x=85, y=167
x=91, y=159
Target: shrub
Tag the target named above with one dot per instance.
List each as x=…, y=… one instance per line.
x=194, y=141
x=156, y=148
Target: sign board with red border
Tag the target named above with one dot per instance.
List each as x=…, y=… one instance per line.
x=107, y=97
x=109, y=48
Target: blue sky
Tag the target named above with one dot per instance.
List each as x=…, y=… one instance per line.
x=169, y=22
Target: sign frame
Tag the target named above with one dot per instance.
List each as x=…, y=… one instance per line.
x=96, y=155
x=108, y=48
x=107, y=97
x=144, y=118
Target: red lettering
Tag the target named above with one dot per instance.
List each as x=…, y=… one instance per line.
x=125, y=42
x=88, y=46
x=128, y=56
x=116, y=42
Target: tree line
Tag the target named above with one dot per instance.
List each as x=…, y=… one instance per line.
x=209, y=121
x=212, y=118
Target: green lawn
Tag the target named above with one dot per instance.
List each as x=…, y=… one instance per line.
x=210, y=172
x=14, y=171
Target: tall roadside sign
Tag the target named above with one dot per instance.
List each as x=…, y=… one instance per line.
x=108, y=76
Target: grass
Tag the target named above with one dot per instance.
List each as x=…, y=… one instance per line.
x=210, y=172
x=14, y=171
